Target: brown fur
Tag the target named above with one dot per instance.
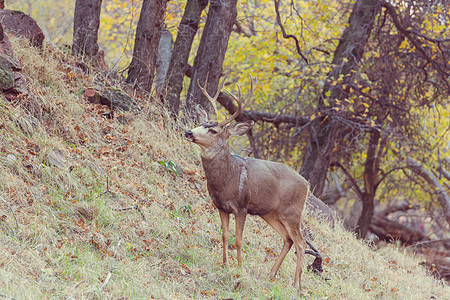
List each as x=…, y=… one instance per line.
x=242, y=186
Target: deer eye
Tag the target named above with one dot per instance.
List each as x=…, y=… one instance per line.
x=212, y=131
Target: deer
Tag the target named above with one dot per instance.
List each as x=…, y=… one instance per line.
x=248, y=186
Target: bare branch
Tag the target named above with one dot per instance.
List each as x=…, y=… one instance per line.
x=442, y=171
x=385, y=175
x=408, y=34
x=442, y=196
x=285, y=35
x=400, y=207
x=431, y=242
x=108, y=277
x=136, y=207
x=349, y=176
x=227, y=102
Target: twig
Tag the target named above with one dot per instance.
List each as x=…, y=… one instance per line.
x=130, y=208
x=140, y=211
x=74, y=289
x=316, y=266
x=10, y=208
x=108, y=277
x=285, y=35
x=407, y=33
x=107, y=188
x=124, y=208
x=349, y=176
x=430, y=242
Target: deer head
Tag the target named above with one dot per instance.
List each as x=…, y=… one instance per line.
x=213, y=133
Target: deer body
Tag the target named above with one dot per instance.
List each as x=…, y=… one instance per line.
x=256, y=186
x=242, y=186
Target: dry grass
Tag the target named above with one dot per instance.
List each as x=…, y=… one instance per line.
x=71, y=218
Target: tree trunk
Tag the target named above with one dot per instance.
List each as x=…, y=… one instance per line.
x=85, y=27
x=390, y=231
x=370, y=185
x=180, y=54
x=211, y=52
x=346, y=58
x=163, y=60
x=141, y=71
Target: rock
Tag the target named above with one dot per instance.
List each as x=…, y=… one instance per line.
x=12, y=82
x=22, y=25
x=117, y=98
x=9, y=160
x=5, y=45
x=320, y=209
x=56, y=158
x=112, y=97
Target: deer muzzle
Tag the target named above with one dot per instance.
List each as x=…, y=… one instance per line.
x=189, y=135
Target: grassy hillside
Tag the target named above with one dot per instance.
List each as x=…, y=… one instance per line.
x=113, y=218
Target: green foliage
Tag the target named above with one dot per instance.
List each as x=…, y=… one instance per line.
x=170, y=166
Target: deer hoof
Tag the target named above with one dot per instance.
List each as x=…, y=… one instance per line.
x=271, y=276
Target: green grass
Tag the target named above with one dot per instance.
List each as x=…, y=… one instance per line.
x=71, y=219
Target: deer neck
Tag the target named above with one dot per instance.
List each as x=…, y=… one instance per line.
x=219, y=165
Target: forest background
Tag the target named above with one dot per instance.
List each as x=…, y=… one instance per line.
x=360, y=107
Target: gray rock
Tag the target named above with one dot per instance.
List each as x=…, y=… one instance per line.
x=20, y=24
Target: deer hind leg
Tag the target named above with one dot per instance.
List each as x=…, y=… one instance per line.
x=299, y=244
x=240, y=222
x=225, y=219
x=287, y=242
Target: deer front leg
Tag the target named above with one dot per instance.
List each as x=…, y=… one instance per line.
x=240, y=222
x=225, y=219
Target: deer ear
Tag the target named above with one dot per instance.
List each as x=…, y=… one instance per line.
x=201, y=114
x=240, y=128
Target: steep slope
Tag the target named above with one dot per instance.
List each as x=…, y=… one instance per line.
x=92, y=207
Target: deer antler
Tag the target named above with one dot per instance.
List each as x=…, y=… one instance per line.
x=241, y=106
x=212, y=100
x=238, y=99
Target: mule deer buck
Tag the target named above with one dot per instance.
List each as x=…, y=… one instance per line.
x=242, y=186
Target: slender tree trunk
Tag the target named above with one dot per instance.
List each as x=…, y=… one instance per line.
x=180, y=54
x=163, y=60
x=325, y=130
x=85, y=27
x=370, y=185
x=141, y=71
x=211, y=51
